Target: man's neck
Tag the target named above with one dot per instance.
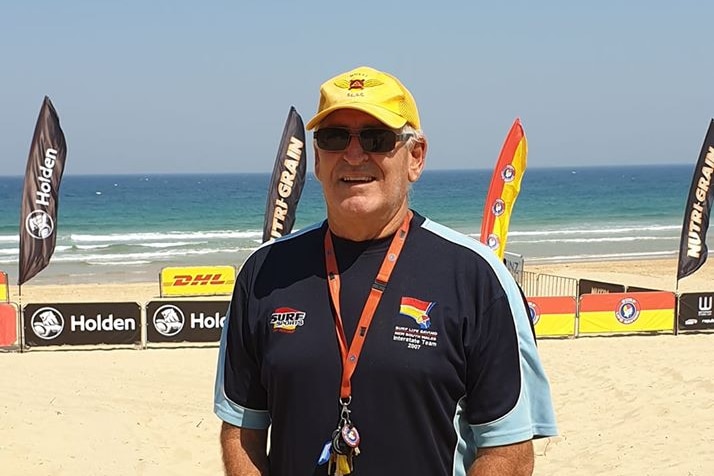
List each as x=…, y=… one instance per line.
x=366, y=228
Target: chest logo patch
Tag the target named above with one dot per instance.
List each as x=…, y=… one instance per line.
x=416, y=338
x=417, y=310
x=286, y=320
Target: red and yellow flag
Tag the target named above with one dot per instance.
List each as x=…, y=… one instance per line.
x=504, y=188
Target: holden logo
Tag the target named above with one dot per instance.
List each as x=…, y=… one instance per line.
x=47, y=323
x=39, y=224
x=169, y=320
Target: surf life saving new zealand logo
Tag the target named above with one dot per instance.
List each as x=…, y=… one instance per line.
x=286, y=320
x=628, y=310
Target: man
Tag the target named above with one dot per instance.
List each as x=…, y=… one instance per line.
x=377, y=342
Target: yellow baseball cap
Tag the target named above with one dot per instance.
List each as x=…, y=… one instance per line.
x=365, y=89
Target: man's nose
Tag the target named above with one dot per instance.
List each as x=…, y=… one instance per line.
x=354, y=153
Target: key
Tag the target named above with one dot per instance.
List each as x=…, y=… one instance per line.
x=343, y=465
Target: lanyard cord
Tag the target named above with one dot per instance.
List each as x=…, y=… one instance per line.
x=351, y=356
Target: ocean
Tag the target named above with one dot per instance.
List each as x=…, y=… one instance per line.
x=126, y=228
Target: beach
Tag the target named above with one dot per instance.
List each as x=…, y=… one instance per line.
x=626, y=405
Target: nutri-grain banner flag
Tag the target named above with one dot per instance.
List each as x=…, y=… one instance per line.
x=287, y=180
x=38, y=212
x=504, y=188
x=692, y=246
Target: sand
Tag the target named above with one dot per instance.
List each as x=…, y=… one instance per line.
x=626, y=405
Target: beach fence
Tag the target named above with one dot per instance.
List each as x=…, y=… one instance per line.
x=538, y=284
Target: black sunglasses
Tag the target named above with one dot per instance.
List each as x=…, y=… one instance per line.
x=336, y=139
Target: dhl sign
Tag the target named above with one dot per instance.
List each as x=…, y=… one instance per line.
x=4, y=290
x=197, y=280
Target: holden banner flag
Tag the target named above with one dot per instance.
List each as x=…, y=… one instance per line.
x=692, y=246
x=287, y=180
x=40, y=194
x=503, y=190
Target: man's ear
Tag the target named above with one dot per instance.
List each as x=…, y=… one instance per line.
x=417, y=160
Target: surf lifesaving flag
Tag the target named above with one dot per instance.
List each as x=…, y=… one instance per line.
x=38, y=210
x=692, y=246
x=287, y=180
x=504, y=188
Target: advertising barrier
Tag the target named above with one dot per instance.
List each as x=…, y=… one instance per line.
x=4, y=290
x=185, y=321
x=588, y=286
x=695, y=312
x=553, y=316
x=626, y=313
x=8, y=326
x=82, y=323
x=197, y=281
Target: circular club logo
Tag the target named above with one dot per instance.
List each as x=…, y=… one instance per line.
x=499, y=206
x=47, y=323
x=508, y=173
x=169, y=320
x=534, y=312
x=39, y=224
x=493, y=242
x=628, y=311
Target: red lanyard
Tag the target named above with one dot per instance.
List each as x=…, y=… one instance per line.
x=351, y=356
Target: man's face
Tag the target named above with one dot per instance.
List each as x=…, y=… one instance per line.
x=360, y=184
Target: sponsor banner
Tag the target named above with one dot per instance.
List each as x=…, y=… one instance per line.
x=197, y=281
x=4, y=290
x=185, y=321
x=40, y=193
x=587, y=286
x=8, y=325
x=515, y=264
x=696, y=312
x=82, y=323
x=626, y=312
x=287, y=180
x=503, y=189
x=692, y=246
x=637, y=289
x=553, y=316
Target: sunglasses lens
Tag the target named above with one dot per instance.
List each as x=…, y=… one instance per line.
x=377, y=140
x=332, y=138
x=372, y=140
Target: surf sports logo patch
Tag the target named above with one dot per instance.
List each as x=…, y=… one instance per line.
x=417, y=310
x=286, y=320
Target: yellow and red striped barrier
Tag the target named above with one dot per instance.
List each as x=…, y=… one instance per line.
x=626, y=313
x=553, y=316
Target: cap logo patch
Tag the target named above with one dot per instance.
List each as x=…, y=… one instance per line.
x=359, y=83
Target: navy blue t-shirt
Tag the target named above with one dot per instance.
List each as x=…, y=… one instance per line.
x=449, y=363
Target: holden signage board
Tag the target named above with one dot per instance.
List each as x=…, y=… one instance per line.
x=185, y=321
x=82, y=324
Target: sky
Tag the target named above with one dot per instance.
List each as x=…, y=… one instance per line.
x=168, y=86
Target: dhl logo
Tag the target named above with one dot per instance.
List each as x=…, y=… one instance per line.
x=198, y=280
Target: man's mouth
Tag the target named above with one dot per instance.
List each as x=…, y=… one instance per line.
x=357, y=179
